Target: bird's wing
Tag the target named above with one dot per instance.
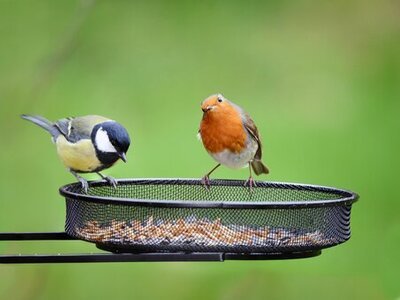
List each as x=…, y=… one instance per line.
x=253, y=131
x=75, y=129
x=64, y=126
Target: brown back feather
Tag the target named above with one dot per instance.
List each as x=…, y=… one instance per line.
x=253, y=131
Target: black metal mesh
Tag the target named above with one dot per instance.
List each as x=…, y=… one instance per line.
x=270, y=218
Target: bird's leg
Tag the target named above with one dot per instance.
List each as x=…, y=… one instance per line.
x=206, y=179
x=83, y=181
x=112, y=181
x=250, y=182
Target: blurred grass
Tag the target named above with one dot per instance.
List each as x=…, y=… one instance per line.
x=321, y=80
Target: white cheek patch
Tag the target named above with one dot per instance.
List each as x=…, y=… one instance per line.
x=103, y=142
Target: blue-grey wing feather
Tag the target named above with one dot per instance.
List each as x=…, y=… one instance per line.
x=75, y=129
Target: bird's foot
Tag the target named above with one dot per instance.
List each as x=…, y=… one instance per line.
x=84, y=183
x=250, y=183
x=206, y=182
x=112, y=181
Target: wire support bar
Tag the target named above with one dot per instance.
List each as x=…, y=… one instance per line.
x=109, y=257
x=147, y=257
x=34, y=236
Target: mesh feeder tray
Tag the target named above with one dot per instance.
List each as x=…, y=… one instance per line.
x=175, y=215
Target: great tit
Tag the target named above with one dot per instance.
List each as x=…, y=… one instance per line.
x=87, y=144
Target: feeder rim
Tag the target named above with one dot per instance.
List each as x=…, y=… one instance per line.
x=345, y=197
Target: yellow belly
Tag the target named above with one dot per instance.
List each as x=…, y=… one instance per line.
x=80, y=156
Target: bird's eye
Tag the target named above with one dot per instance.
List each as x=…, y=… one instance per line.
x=220, y=99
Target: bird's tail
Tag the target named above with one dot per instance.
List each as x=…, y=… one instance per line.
x=259, y=167
x=44, y=123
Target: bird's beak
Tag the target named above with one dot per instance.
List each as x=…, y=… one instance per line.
x=122, y=155
x=207, y=108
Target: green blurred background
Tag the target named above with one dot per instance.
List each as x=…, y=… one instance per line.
x=320, y=78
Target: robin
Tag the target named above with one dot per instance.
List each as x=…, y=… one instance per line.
x=230, y=136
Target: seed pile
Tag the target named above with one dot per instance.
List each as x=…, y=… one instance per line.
x=194, y=232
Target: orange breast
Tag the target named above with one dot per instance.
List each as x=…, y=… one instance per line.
x=221, y=130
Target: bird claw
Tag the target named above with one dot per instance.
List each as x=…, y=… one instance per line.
x=206, y=182
x=112, y=181
x=84, y=183
x=251, y=183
